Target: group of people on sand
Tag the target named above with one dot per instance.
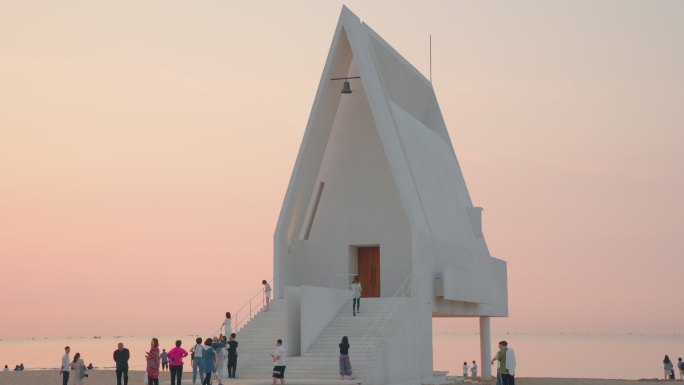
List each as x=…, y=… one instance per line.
x=208, y=356
x=669, y=368
x=505, y=365
x=17, y=368
x=473, y=369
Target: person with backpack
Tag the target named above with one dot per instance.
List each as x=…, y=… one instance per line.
x=196, y=357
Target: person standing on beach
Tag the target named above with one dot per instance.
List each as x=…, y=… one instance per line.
x=267, y=293
x=232, y=355
x=278, y=357
x=356, y=295
x=473, y=369
x=121, y=356
x=465, y=369
x=64, y=369
x=345, y=364
x=506, y=358
x=164, y=360
x=208, y=361
x=197, y=360
x=78, y=367
x=152, y=358
x=176, y=356
x=668, y=368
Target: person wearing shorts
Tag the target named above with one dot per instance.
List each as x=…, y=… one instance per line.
x=278, y=357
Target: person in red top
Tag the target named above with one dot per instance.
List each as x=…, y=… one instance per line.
x=152, y=358
x=176, y=362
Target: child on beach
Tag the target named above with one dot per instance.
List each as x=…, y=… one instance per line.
x=164, y=360
x=473, y=369
x=465, y=369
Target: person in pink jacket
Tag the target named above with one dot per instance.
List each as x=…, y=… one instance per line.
x=176, y=356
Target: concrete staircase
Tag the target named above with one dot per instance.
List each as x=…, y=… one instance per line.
x=257, y=340
x=321, y=360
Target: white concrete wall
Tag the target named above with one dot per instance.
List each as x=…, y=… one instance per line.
x=464, y=283
x=305, y=173
x=359, y=206
x=319, y=306
x=292, y=329
x=391, y=176
x=407, y=348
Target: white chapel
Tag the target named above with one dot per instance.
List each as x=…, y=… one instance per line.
x=377, y=192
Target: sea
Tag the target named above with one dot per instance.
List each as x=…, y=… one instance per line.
x=570, y=355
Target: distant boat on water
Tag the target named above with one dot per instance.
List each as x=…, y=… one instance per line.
x=97, y=337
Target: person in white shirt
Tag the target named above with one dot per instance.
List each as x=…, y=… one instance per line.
x=473, y=369
x=356, y=295
x=6, y=369
x=278, y=357
x=197, y=360
x=227, y=326
x=267, y=293
x=507, y=363
x=64, y=369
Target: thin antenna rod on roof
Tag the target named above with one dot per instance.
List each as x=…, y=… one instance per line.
x=430, y=58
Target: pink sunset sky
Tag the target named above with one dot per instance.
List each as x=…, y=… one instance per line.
x=146, y=146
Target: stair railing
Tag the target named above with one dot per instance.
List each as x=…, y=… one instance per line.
x=250, y=309
x=375, y=331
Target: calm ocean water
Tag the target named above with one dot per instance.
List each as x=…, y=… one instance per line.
x=628, y=356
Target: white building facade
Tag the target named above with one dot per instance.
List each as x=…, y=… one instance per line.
x=377, y=191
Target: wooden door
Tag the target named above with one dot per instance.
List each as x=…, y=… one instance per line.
x=369, y=271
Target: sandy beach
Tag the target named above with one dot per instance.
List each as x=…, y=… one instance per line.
x=98, y=377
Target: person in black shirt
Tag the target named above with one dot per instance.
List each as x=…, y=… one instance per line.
x=232, y=355
x=345, y=364
x=121, y=356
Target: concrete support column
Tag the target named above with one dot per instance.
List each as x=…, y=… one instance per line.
x=485, y=348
